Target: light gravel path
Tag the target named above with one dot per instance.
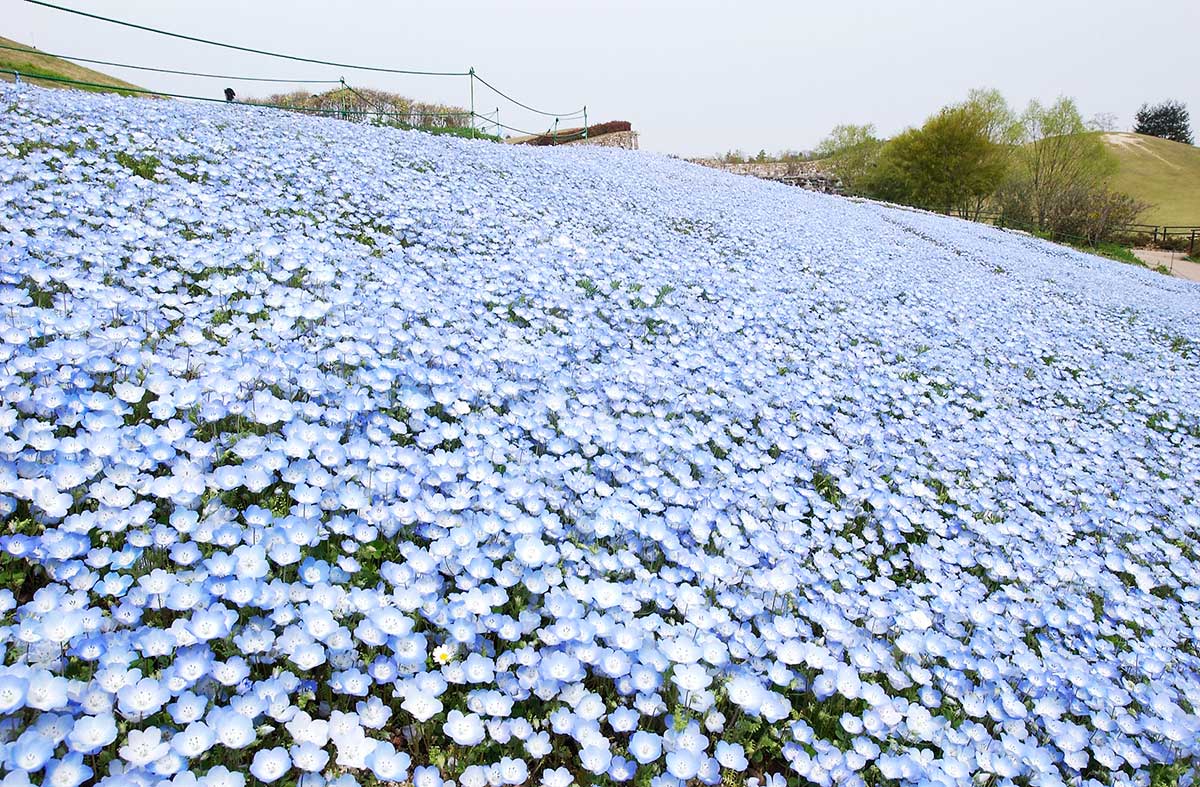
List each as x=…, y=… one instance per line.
x=1172, y=260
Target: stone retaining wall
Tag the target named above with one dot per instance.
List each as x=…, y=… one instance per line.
x=617, y=139
x=805, y=174
x=765, y=169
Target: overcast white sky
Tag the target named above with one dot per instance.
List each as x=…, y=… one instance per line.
x=694, y=77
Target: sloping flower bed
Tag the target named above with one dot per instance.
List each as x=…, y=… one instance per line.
x=340, y=454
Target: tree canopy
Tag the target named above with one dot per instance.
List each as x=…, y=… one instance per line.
x=1168, y=120
x=951, y=161
x=1045, y=167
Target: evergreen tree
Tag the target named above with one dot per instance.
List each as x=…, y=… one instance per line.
x=1168, y=120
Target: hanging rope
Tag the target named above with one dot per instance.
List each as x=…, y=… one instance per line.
x=161, y=94
x=498, y=92
x=378, y=69
x=246, y=48
x=170, y=70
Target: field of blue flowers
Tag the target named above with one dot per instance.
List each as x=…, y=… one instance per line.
x=340, y=455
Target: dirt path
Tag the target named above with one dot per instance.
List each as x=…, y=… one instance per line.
x=1172, y=260
x=1123, y=140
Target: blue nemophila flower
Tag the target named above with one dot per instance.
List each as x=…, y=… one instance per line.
x=624, y=719
x=426, y=776
x=70, y=771
x=474, y=776
x=683, y=764
x=645, y=747
x=595, y=759
x=309, y=757
x=89, y=734
x=30, y=752
x=538, y=744
x=13, y=691
x=233, y=730
x=45, y=691
x=464, y=729
x=143, y=747
x=141, y=699
x=298, y=464
x=422, y=705
x=193, y=740
x=556, y=777
x=731, y=755
x=270, y=764
x=513, y=770
x=188, y=707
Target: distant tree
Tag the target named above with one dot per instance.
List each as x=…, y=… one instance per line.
x=844, y=137
x=793, y=155
x=1168, y=120
x=1002, y=127
x=1095, y=212
x=1103, y=121
x=1000, y=123
x=849, y=154
x=762, y=156
x=1058, y=158
x=1059, y=170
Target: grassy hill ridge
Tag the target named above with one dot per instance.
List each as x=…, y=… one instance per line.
x=1163, y=173
x=36, y=62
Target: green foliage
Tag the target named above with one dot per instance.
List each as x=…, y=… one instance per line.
x=1103, y=121
x=142, y=167
x=793, y=156
x=1000, y=123
x=850, y=153
x=784, y=156
x=1060, y=160
x=1061, y=176
x=845, y=137
x=1170, y=775
x=1096, y=213
x=1043, y=169
x=1115, y=251
x=951, y=161
x=18, y=574
x=454, y=131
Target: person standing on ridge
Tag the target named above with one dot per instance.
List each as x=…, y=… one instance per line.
x=230, y=95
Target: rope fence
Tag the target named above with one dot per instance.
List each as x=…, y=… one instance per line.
x=164, y=94
x=338, y=112
x=230, y=77
x=251, y=50
x=470, y=73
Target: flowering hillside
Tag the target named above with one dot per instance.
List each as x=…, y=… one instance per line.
x=339, y=454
